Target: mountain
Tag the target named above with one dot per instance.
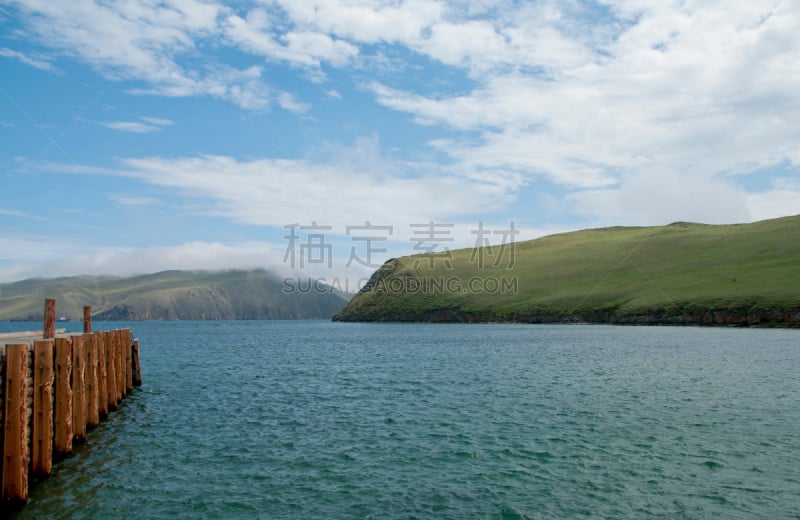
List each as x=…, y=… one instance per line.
x=172, y=295
x=683, y=273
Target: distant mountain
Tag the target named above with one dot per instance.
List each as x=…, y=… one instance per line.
x=683, y=273
x=172, y=295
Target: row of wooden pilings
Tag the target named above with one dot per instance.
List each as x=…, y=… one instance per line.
x=55, y=390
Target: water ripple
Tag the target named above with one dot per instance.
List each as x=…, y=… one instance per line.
x=321, y=420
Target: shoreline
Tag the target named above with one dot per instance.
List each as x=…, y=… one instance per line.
x=777, y=318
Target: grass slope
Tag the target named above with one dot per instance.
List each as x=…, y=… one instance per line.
x=232, y=294
x=680, y=273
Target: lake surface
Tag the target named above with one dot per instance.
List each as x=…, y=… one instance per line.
x=338, y=420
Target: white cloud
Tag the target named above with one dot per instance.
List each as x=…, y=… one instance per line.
x=253, y=33
x=773, y=204
x=134, y=200
x=462, y=43
x=289, y=102
x=366, y=21
x=146, y=42
x=693, y=91
x=70, y=259
x=129, y=39
x=74, y=259
x=276, y=192
x=662, y=196
x=135, y=127
x=39, y=63
x=20, y=214
x=243, y=87
x=589, y=97
x=22, y=256
x=158, y=121
x=257, y=33
x=484, y=36
x=783, y=198
x=150, y=124
x=49, y=256
x=356, y=184
x=320, y=46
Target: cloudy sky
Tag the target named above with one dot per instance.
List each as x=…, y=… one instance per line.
x=141, y=135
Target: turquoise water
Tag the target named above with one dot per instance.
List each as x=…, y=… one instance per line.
x=324, y=420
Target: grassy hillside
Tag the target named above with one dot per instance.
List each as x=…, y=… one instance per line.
x=185, y=295
x=680, y=273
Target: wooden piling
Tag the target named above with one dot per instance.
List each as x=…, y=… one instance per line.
x=87, y=319
x=49, y=331
x=42, y=434
x=52, y=393
x=92, y=404
x=128, y=347
x=111, y=372
x=63, y=397
x=136, y=367
x=78, y=390
x=124, y=356
x=102, y=376
x=120, y=364
x=15, y=425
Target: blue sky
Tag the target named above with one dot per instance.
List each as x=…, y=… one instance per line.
x=144, y=135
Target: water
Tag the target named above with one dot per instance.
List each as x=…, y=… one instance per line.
x=324, y=420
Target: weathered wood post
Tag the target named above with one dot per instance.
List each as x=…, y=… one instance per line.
x=119, y=358
x=42, y=441
x=15, y=426
x=49, y=331
x=102, y=376
x=78, y=390
x=128, y=346
x=92, y=405
x=52, y=392
x=87, y=319
x=63, y=400
x=136, y=367
x=111, y=372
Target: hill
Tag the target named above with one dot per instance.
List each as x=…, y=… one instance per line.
x=683, y=273
x=169, y=295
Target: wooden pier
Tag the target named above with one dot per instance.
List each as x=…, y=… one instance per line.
x=56, y=387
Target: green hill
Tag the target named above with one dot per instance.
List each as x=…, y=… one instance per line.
x=683, y=273
x=170, y=295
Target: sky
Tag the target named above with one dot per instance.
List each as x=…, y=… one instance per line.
x=321, y=137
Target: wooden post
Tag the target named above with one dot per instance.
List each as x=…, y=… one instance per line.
x=117, y=372
x=119, y=359
x=128, y=346
x=102, y=376
x=92, y=405
x=136, y=365
x=42, y=435
x=49, y=331
x=51, y=393
x=78, y=390
x=87, y=319
x=111, y=372
x=15, y=426
x=121, y=387
x=63, y=406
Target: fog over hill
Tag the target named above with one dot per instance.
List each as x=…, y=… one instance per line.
x=173, y=295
